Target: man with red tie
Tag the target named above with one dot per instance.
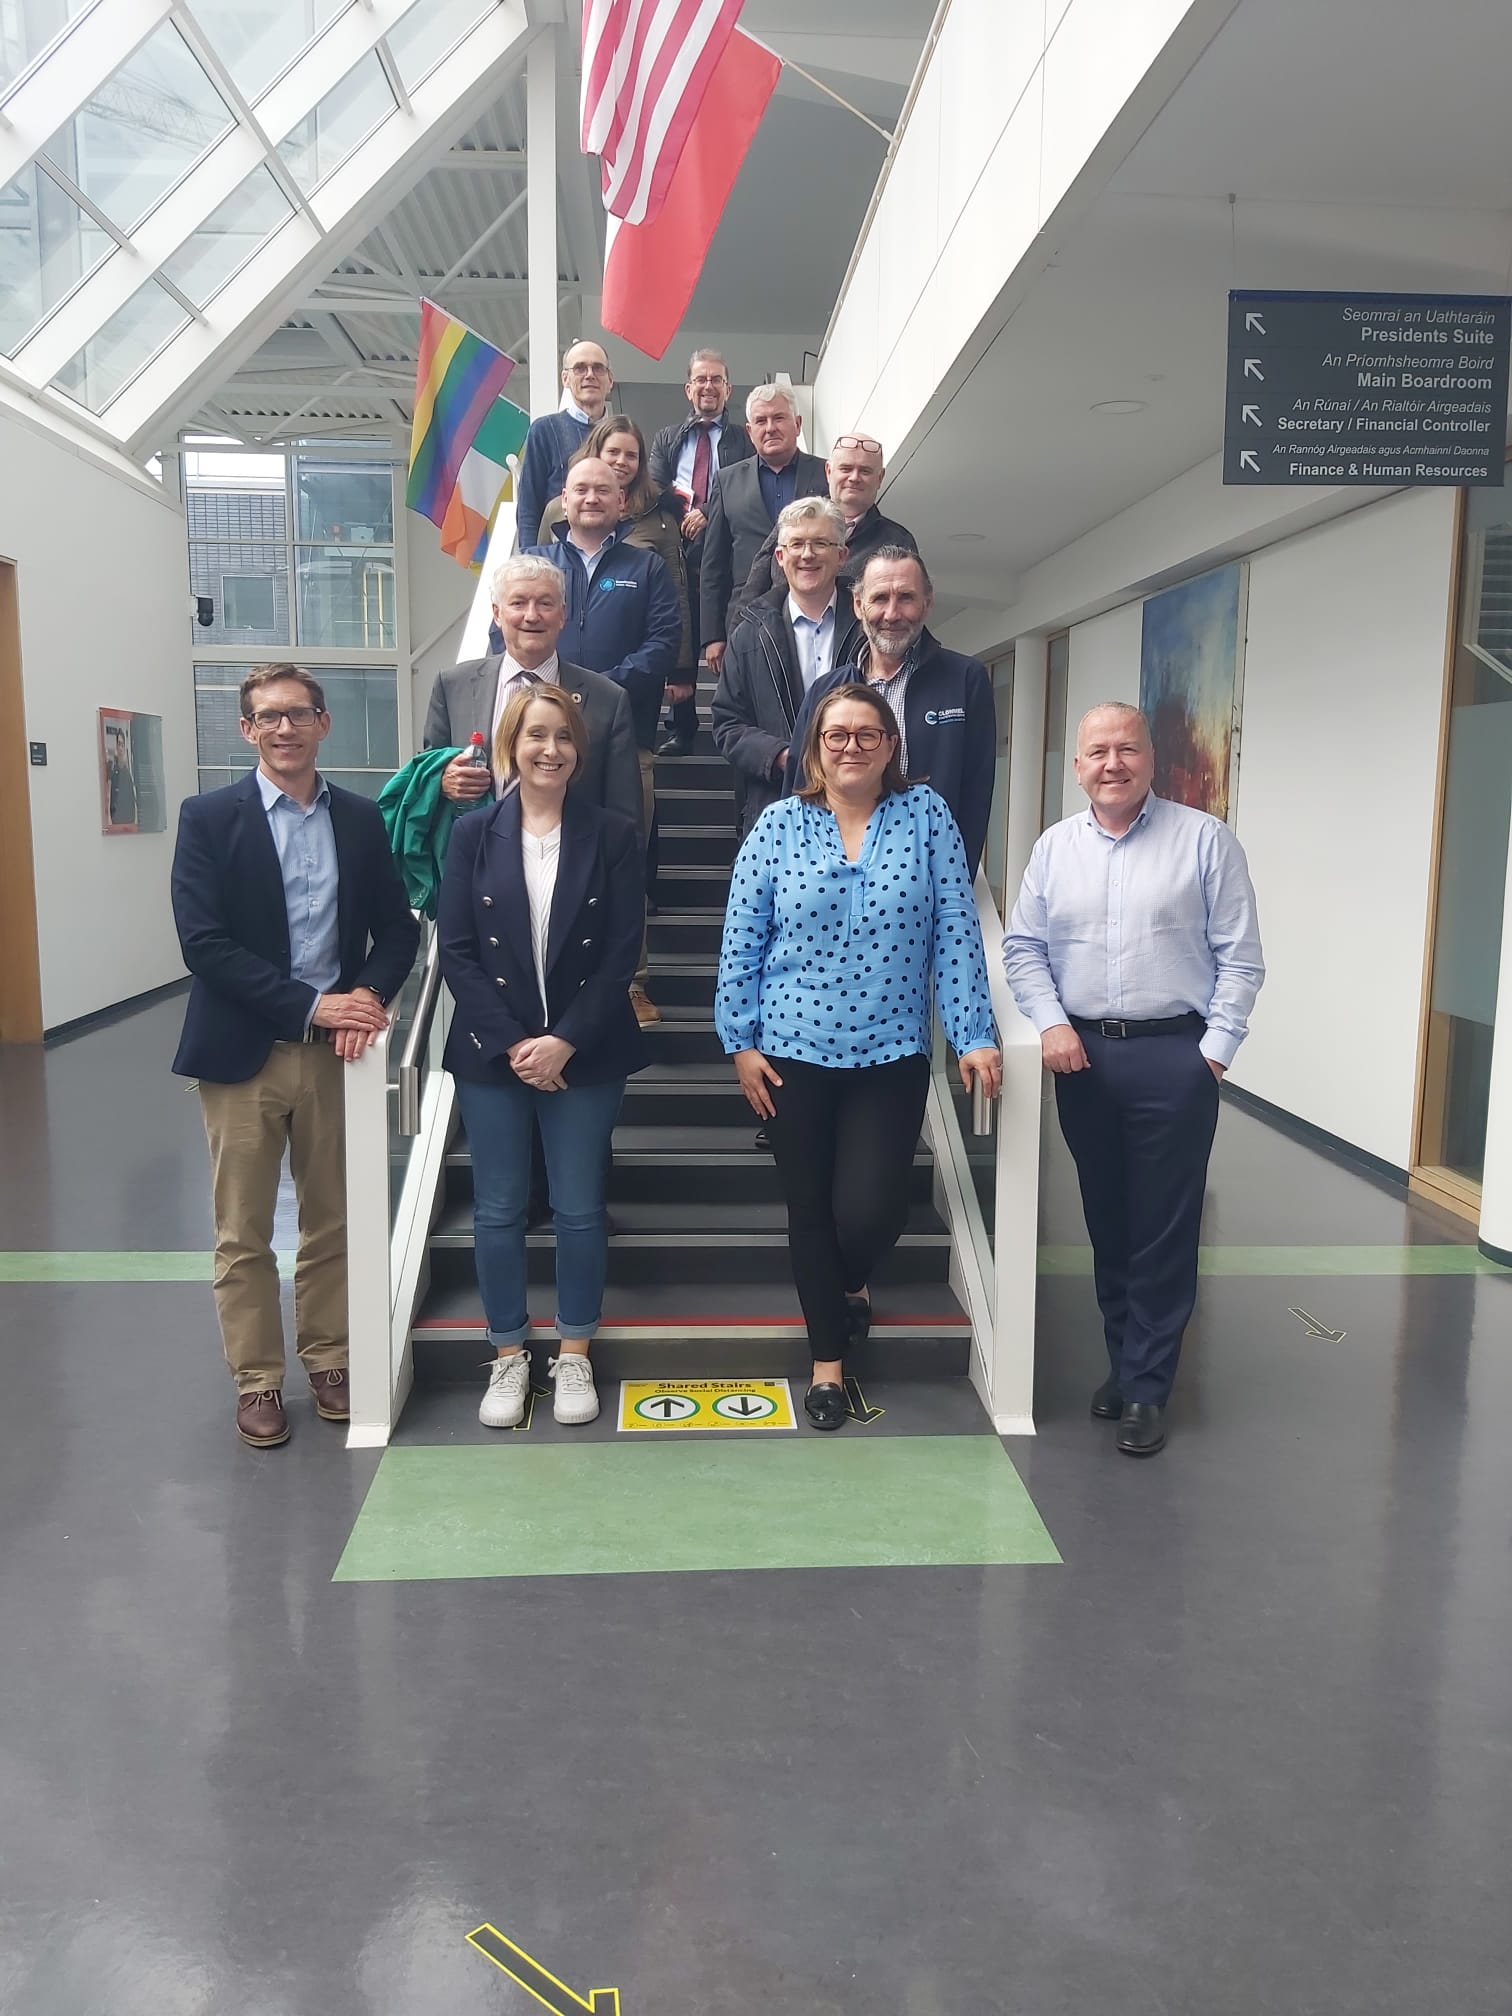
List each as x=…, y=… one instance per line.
x=687, y=457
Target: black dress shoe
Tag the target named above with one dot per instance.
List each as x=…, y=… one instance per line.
x=826, y=1406
x=676, y=745
x=763, y=1141
x=1141, y=1432
x=858, y=1317
x=1107, y=1401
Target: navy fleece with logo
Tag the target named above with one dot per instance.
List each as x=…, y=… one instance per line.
x=951, y=731
x=625, y=622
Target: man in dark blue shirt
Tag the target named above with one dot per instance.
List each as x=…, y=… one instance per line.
x=556, y=437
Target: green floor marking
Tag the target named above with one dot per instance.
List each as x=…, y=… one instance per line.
x=60, y=1267
x=606, y=1508
x=1234, y=1261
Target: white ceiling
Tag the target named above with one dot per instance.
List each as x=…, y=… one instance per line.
x=772, y=272
x=1361, y=159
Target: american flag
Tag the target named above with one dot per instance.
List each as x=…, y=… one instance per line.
x=646, y=65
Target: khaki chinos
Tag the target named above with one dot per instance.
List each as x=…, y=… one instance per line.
x=296, y=1101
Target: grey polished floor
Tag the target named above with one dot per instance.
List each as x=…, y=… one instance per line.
x=1248, y=1750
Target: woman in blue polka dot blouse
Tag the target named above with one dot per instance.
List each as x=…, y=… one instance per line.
x=850, y=912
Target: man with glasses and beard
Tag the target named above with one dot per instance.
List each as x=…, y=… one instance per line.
x=942, y=699
x=295, y=925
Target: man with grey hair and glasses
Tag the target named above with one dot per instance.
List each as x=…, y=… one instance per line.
x=1135, y=952
x=554, y=438
x=747, y=501
x=687, y=457
x=793, y=637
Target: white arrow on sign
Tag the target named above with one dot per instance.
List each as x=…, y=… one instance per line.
x=1252, y=323
x=1250, y=413
x=1252, y=369
x=1248, y=459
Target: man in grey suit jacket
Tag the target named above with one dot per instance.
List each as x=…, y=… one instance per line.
x=746, y=502
x=530, y=608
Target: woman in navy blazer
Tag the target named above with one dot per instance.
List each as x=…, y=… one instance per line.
x=540, y=916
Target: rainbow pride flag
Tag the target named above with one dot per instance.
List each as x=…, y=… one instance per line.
x=463, y=434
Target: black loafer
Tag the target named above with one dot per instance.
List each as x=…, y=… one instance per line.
x=826, y=1406
x=763, y=1141
x=1107, y=1401
x=858, y=1317
x=1141, y=1432
x=676, y=745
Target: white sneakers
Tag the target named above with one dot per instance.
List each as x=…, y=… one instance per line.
x=508, y=1383
x=576, y=1399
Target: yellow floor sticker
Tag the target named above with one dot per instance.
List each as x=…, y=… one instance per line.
x=705, y=1403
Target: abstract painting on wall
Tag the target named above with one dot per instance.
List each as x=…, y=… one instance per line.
x=1191, y=685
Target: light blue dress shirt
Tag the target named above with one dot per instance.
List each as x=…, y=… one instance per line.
x=306, y=845
x=830, y=961
x=1157, y=921
x=682, y=475
x=815, y=638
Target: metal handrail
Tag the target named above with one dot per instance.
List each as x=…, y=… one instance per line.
x=418, y=1039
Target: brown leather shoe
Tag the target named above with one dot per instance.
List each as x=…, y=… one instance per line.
x=332, y=1402
x=646, y=1011
x=261, y=1420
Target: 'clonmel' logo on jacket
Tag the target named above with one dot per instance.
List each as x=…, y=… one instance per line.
x=608, y=581
x=941, y=717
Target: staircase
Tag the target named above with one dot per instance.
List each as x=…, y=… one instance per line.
x=698, y=1272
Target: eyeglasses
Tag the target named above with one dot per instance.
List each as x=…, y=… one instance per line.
x=297, y=717
x=585, y=370
x=701, y=384
x=861, y=441
x=811, y=545
x=865, y=739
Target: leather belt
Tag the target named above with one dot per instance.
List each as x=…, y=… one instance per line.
x=1163, y=1025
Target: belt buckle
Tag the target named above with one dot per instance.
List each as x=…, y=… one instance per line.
x=1114, y=1028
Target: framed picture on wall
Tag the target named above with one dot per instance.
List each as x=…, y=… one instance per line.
x=132, y=798
x=1191, y=687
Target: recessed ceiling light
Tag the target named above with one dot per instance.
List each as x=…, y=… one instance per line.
x=1119, y=406
x=968, y=537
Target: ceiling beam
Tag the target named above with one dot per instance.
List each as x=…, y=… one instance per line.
x=482, y=161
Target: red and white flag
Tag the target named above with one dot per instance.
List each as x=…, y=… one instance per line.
x=646, y=67
x=651, y=269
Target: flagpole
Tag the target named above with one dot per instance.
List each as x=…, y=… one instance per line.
x=788, y=64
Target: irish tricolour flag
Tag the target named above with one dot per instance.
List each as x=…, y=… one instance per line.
x=463, y=435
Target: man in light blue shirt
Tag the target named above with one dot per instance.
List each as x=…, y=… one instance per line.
x=1134, y=950
x=305, y=842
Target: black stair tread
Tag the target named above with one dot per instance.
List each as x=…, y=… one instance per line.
x=674, y=1142
x=677, y=1014
x=775, y=1301
x=715, y=1075
x=690, y=913
x=683, y=1220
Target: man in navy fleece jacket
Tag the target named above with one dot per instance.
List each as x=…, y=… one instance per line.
x=624, y=619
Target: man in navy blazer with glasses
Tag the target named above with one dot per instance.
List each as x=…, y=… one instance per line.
x=295, y=926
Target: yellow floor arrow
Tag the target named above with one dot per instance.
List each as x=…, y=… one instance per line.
x=537, y=1980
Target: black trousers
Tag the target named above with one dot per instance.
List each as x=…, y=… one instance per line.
x=1139, y=1123
x=844, y=1144
x=682, y=715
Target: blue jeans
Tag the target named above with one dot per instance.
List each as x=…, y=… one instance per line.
x=576, y=1128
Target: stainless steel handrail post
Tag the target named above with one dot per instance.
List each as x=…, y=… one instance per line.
x=418, y=1038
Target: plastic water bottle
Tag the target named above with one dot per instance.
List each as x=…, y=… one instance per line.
x=477, y=753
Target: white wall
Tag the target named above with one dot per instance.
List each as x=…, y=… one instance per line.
x=1104, y=665
x=1043, y=103
x=103, y=581
x=1338, y=772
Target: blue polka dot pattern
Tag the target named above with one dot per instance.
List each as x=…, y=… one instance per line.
x=838, y=962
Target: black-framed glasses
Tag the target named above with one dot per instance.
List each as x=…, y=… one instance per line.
x=297, y=717
x=865, y=739
x=811, y=545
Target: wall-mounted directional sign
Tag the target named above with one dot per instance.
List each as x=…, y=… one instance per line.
x=1364, y=389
